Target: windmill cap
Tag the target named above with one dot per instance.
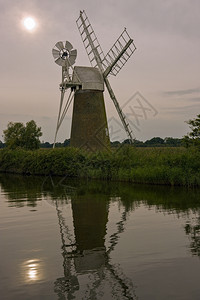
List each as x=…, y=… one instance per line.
x=90, y=78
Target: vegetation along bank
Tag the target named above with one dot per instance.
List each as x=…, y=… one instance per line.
x=169, y=166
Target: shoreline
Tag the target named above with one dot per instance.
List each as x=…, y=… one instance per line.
x=154, y=166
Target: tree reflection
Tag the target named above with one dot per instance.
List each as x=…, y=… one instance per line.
x=21, y=190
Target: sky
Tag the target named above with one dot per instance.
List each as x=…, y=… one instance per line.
x=158, y=88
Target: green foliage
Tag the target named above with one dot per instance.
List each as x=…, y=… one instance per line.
x=66, y=143
x=46, y=145
x=172, y=142
x=19, y=136
x=195, y=127
x=169, y=166
x=193, y=138
x=2, y=145
x=155, y=142
x=13, y=135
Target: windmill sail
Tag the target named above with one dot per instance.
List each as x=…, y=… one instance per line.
x=119, y=54
x=90, y=41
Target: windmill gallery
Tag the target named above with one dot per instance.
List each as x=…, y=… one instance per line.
x=89, y=129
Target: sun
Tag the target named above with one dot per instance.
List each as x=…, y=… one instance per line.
x=29, y=23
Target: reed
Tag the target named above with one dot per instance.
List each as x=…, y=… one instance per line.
x=169, y=166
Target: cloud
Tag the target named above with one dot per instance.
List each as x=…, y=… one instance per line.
x=180, y=110
x=195, y=99
x=175, y=17
x=182, y=92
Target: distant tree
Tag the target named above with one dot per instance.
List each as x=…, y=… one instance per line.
x=46, y=145
x=115, y=144
x=193, y=137
x=186, y=141
x=2, y=145
x=138, y=143
x=154, y=142
x=127, y=141
x=23, y=136
x=66, y=143
x=58, y=145
x=172, y=142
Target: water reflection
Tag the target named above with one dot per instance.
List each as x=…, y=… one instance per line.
x=21, y=190
x=32, y=271
x=192, y=229
x=29, y=190
x=82, y=210
x=88, y=270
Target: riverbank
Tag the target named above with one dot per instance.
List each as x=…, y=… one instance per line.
x=169, y=166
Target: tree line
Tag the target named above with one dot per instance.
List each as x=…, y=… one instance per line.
x=154, y=142
x=18, y=135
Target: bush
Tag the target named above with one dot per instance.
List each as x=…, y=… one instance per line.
x=172, y=166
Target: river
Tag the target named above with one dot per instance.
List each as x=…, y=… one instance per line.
x=72, y=239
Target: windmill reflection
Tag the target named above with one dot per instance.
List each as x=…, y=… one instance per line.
x=88, y=271
x=192, y=229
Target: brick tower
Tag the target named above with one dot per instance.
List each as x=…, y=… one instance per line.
x=89, y=128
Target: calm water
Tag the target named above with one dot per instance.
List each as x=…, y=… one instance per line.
x=62, y=239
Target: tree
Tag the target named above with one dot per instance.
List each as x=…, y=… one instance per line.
x=66, y=143
x=138, y=143
x=127, y=141
x=193, y=137
x=24, y=136
x=172, y=142
x=2, y=145
x=154, y=142
x=46, y=145
x=115, y=144
x=31, y=135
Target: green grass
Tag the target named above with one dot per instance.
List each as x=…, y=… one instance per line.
x=169, y=166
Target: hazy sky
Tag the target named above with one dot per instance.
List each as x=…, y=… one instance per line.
x=165, y=68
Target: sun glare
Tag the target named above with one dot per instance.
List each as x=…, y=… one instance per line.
x=29, y=24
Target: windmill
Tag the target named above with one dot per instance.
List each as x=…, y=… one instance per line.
x=89, y=123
